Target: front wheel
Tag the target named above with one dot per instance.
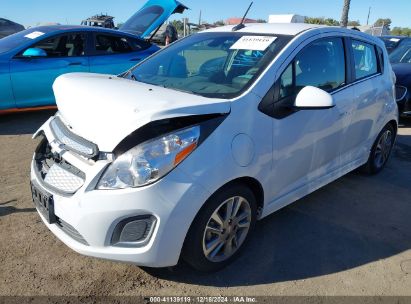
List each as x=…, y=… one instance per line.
x=221, y=229
x=380, y=151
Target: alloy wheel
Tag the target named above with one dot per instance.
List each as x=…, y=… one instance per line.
x=383, y=149
x=227, y=229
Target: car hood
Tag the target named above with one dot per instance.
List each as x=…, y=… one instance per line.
x=105, y=109
x=403, y=73
x=151, y=16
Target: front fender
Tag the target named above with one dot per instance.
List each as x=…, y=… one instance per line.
x=6, y=94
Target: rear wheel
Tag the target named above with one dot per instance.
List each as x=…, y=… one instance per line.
x=221, y=229
x=380, y=151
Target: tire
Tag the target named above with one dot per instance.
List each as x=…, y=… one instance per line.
x=381, y=151
x=208, y=242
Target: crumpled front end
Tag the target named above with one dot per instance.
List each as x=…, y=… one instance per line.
x=142, y=225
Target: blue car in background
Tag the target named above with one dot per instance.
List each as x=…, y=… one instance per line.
x=31, y=60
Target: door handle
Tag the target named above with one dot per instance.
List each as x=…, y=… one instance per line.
x=135, y=59
x=75, y=63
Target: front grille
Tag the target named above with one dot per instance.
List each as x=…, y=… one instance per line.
x=55, y=173
x=70, y=141
x=61, y=178
x=400, y=92
x=71, y=232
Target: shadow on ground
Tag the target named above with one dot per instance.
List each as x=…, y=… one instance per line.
x=7, y=210
x=354, y=221
x=24, y=122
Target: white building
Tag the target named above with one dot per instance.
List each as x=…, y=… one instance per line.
x=290, y=18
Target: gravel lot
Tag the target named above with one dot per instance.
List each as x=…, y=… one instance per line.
x=352, y=237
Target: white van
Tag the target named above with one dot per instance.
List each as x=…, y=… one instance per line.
x=184, y=153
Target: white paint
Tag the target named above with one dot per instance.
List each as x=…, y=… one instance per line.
x=136, y=104
x=291, y=157
x=312, y=97
x=242, y=149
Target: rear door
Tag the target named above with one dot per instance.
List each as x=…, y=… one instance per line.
x=307, y=143
x=369, y=89
x=114, y=54
x=32, y=77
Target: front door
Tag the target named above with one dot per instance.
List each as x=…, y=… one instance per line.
x=32, y=77
x=307, y=143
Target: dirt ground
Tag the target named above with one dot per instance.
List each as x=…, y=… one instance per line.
x=352, y=237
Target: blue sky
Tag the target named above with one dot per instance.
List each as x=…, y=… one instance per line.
x=29, y=12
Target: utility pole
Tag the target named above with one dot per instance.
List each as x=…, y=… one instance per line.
x=185, y=21
x=344, y=16
x=369, y=12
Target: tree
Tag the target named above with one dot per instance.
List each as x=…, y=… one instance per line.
x=345, y=11
x=219, y=23
x=321, y=20
x=331, y=22
x=383, y=22
x=401, y=31
x=354, y=23
x=179, y=25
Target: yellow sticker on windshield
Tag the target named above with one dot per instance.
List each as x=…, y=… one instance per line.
x=254, y=43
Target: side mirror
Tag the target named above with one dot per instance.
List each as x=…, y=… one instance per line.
x=312, y=98
x=34, y=52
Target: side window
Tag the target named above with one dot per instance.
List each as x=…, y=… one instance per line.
x=321, y=64
x=107, y=44
x=138, y=44
x=287, y=82
x=365, y=59
x=71, y=45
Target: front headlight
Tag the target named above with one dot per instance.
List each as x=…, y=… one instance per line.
x=151, y=160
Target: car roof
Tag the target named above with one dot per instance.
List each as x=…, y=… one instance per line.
x=291, y=29
x=294, y=29
x=56, y=29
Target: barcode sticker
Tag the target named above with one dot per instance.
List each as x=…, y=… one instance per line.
x=254, y=43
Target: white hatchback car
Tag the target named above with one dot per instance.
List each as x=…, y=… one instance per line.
x=181, y=155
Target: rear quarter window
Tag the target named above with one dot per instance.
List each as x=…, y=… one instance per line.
x=139, y=44
x=110, y=44
x=365, y=59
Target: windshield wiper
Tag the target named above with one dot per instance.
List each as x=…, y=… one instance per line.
x=125, y=74
x=176, y=89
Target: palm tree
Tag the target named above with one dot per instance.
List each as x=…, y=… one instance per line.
x=346, y=9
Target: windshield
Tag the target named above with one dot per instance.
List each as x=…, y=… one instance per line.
x=10, y=42
x=401, y=55
x=220, y=65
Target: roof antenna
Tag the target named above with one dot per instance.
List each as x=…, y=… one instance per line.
x=241, y=25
